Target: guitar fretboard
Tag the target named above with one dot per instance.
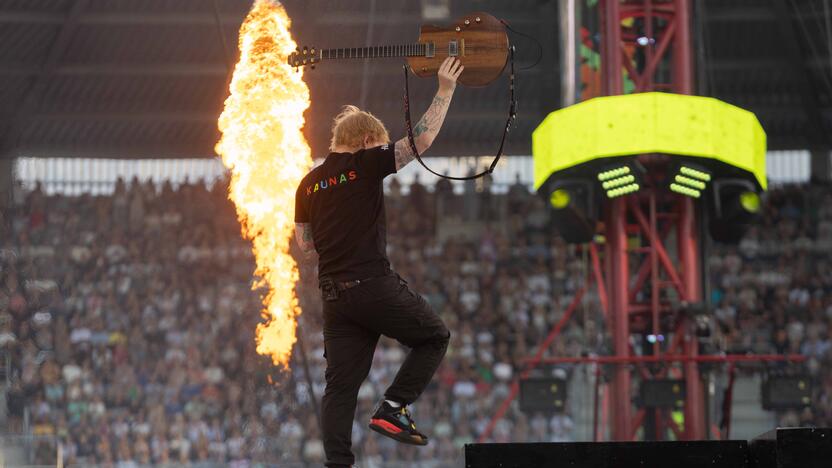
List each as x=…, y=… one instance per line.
x=404, y=50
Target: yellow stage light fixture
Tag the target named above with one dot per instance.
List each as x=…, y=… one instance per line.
x=560, y=199
x=750, y=201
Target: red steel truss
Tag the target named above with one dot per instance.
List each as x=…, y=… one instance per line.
x=651, y=253
x=640, y=38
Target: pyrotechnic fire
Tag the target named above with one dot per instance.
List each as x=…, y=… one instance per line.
x=267, y=155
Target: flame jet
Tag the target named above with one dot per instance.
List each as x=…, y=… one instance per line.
x=263, y=147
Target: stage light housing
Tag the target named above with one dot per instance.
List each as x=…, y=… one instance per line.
x=618, y=180
x=787, y=392
x=723, y=139
x=735, y=206
x=613, y=173
x=574, y=212
x=750, y=201
x=702, y=141
x=543, y=394
x=560, y=199
x=690, y=180
x=662, y=393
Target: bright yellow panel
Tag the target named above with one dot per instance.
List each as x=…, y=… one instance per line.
x=649, y=123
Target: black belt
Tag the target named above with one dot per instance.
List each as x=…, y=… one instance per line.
x=344, y=285
x=330, y=289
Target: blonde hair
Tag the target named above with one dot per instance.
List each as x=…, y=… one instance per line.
x=352, y=125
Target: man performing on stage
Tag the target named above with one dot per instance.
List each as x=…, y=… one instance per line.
x=339, y=212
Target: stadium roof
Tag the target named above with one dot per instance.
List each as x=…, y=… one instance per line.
x=147, y=78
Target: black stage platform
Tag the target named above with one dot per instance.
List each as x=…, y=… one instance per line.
x=781, y=448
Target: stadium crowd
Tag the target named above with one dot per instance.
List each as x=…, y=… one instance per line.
x=130, y=322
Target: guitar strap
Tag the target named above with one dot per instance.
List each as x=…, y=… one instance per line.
x=512, y=114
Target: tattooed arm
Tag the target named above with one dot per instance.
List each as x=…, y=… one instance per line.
x=428, y=126
x=303, y=234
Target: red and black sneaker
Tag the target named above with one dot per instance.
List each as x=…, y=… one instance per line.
x=396, y=424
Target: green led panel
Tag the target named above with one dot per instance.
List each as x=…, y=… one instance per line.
x=649, y=123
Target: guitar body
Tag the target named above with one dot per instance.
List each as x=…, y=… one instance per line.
x=482, y=46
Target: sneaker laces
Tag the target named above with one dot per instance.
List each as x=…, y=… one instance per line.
x=406, y=413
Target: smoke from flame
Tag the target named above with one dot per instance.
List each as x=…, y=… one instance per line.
x=267, y=155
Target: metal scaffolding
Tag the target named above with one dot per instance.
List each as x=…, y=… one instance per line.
x=647, y=265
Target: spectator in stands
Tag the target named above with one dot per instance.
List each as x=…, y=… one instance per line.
x=129, y=321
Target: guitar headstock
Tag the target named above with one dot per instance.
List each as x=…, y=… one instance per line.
x=302, y=57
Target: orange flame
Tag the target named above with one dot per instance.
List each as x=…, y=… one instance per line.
x=267, y=155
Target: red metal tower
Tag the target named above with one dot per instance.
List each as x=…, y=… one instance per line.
x=647, y=271
x=649, y=42
x=642, y=39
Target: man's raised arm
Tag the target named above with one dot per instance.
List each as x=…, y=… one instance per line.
x=428, y=126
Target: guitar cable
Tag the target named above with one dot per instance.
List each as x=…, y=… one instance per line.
x=539, y=45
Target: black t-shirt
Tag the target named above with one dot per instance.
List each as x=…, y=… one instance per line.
x=343, y=201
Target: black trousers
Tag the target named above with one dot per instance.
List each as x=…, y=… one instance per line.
x=352, y=326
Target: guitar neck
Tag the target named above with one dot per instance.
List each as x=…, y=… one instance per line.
x=404, y=50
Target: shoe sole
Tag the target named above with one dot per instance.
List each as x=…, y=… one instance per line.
x=401, y=436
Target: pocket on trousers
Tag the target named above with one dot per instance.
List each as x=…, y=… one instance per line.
x=381, y=289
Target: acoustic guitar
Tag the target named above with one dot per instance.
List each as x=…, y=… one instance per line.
x=478, y=40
